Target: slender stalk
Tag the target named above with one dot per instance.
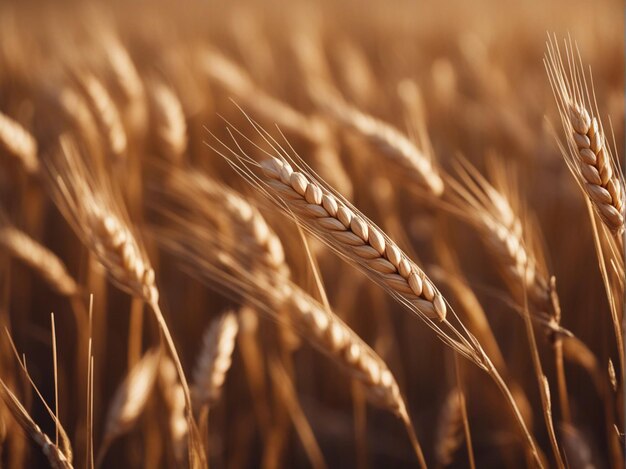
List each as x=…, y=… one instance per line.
x=414, y=441
x=543, y=384
x=466, y=426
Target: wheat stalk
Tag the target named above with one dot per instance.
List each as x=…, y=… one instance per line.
x=201, y=250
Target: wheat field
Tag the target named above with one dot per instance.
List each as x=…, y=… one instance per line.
x=240, y=234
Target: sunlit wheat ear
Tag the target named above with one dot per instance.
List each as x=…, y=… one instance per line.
x=168, y=121
x=214, y=360
x=348, y=231
x=53, y=453
x=130, y=398
x=396, y=146
x=43, y=261
x=98, y=217
x=493, y=210
x=588, y=155
x=19, y=144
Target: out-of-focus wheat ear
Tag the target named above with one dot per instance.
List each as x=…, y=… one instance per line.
x=393, y=144
x=449, y=428
x=107, y=115
x=75, y=106
x=214, y=360
x=130, y=400
x=53, y=453
x=168, y=121
x=492, y=209
x=314, y=129
x=174, y=397
x=19, y=144
x=588, y=155
x=43, y=261
x=127, y=80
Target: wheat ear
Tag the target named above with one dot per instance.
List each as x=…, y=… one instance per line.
x=347, y=231
x=90, y=204
x=449, y=428
x=107, y=115
x=214, y=360
x=174, y=397
x=19, y=143
x=492, y=212
x=39, y=258
x=53, y=453
x=393, y=144
x=589, y=158
x=168, y=121
x=130, y=400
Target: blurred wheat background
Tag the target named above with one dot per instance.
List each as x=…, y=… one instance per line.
x=311, y=234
